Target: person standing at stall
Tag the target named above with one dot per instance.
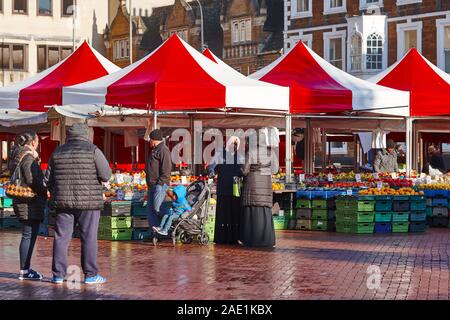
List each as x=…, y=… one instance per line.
x=227, y=165
x=435, y=161
x=386, y=160
x=257, y=228
x=30, y=213
x=75, y=174
x=158, y=169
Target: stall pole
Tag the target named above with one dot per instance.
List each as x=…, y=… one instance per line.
x=289, y=149
x=155, y=120
x=63, y=130
x=324, y=150
x=309, y=152
x=415, y=148
x=409, y=145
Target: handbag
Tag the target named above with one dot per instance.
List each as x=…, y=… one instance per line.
x=15, y=190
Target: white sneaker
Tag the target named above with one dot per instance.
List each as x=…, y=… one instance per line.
x=156, y=229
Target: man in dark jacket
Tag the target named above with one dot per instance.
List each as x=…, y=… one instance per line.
x=74, y=178
x=158, y=169
x=435, y=160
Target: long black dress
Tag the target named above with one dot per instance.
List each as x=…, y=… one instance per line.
x=228, y=209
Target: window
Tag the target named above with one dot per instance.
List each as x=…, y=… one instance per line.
x=338, y=147
x=1, y=6
x=365, y=4
x=67, y=8
x=12, y=57
x=374, y=57
x=20, y=6
x=447, y=48
x=241, y=31
x=182, y=33
x=409, y=35
x=335, y=52
x=44, y=7
x=48, y=56
x=121, y=49
x=301, y=8
x=335, y=6
x=443, y=44
x=404, y=2
x=356, y=52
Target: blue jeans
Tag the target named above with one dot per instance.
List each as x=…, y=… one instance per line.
x=166, y=222
x=156, y=196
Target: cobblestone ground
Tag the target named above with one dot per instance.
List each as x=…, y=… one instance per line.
x=304, y=265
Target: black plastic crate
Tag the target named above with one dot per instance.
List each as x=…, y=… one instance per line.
x=439, y=222
x=303, y=213
x=117, y=209
x=417, y=226
x=400, y=206
x=292, y=223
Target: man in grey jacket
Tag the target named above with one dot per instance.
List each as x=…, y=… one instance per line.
x=74, y=178
x=386, y=160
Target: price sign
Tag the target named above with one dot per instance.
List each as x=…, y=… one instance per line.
x=428, y=180
x=210, y=181
x=119, y=178
x=330, y=177
x=120, y=195
x=136, y=178
x=349, y=192
x=302, y=177
x=183, y=180
x=375, y=175
x=423, y=175
x=281, y=213
x=358, y=177
x=394, y=175
x=379, y=185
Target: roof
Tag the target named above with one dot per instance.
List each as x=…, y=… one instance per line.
x=429, y=86
x=318, y=87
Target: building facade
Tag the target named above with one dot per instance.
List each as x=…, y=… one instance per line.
x=252, y=33
x=364, y=37
x=37, y=34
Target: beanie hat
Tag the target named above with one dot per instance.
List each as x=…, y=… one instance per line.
x=156, y=135
x=79, y=130
x=390, y=144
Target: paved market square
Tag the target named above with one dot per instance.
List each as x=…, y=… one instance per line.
x=304, y=265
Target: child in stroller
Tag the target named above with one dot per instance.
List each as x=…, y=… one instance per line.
x=179, y=206
x=191, y=224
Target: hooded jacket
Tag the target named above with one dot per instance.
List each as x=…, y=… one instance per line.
x=180, y=205
x=75, y=173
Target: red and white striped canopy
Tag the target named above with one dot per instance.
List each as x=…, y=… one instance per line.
x=177, y=77
x=429, y=86
x=319, y=87
x=45, y=89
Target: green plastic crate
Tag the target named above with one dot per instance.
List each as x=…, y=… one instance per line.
x=346, y=205
x=418, y=205
x=355, y=217
x=429, y=211
x=345, y=227
x=367, y=227
x=383, y=217
x=364, y=206
x=400, y=227
x=400, y=216
x=320, y=214
x=116, y=234
x=418, y=198
x=383, y=206
x=319, y=204
x=319, y=225
x=359, y=228
x=7, y=202
x=401, y=198
x=139, y=209
x=115, y=223
x=280, y=223
x=303, y=204
x=366, y=198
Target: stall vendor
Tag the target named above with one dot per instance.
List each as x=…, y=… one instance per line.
x=386, y=160
x=435, y=161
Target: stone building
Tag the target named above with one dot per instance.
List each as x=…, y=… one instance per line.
x=364, y=37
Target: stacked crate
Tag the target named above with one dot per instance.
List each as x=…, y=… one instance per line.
x=286, y=202
x=418, y=214
x=116, y=221
x=8, y=220
x=314, y=211
x=141, y=229
x=400, y=214
x=437, y=210
x=383, y=214
x=355, y=214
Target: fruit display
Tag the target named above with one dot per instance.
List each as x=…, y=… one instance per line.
x=398, y=183
x=276, y=186
x=4, y=180
x=434, y=186
x=178, y=179
x=386, y=191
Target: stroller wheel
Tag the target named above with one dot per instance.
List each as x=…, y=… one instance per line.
x=185, y=238
x=204, y=239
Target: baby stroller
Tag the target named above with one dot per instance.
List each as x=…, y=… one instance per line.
x=192, y=224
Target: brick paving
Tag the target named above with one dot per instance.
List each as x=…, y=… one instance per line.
x=304, y=265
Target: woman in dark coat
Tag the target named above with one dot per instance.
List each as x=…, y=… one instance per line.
x=30, y=213
x=228, y=209
x=257, y=229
